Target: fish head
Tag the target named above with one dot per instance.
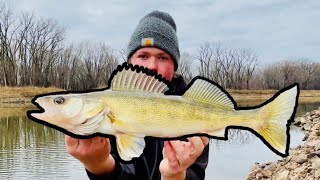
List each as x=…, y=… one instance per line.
x=65, y=111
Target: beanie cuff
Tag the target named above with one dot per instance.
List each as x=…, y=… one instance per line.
x=159, y=41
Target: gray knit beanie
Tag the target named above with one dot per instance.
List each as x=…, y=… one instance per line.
x=156, y=29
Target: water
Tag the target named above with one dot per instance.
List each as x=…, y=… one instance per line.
x=233, y=161
x=32, y=151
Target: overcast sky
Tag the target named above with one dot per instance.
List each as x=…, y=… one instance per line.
x=274, y=29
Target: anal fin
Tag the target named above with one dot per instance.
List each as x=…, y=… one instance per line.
x=218, y=133
x=129, y=146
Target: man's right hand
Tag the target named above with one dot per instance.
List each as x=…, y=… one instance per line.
x=94, y=153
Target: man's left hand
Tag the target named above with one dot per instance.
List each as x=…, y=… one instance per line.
x=179, y=155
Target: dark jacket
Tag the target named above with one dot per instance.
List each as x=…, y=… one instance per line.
x=147, y=165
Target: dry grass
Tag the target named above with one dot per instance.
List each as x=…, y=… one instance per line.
x=21, y=96
x=29, y=92
x=13, y=111
x=25, y=92
x=305, y=95
x=15, y=97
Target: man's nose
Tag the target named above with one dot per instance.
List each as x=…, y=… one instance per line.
x=152, y=64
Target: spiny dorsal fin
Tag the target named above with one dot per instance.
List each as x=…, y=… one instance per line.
x=206, y=92
x=137, y=78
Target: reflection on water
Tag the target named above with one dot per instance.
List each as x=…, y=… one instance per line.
x=32, y=151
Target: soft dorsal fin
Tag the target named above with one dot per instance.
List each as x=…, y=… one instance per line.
x=135, y=78
x=206, y=92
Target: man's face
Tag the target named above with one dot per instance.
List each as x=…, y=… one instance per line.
x=154, y=59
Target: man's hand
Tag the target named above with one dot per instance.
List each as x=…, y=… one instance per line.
x=179, y=155
x=94, y=153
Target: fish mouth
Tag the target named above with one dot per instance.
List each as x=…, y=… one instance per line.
x=37, y=113
x=43, y=113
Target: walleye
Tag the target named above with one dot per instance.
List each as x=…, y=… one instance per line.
x=138, y=104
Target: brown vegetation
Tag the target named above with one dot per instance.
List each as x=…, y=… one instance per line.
x=21, y=96
x=33, y=52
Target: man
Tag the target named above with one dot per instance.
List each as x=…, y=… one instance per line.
x=154, y=45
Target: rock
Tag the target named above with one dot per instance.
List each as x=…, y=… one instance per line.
x=297, y=123
x=267, y=174
x=317, y=119
x=317, y=147
x=251, y=175
x=296, y=177
x=302, y=120
x=291, y=166
x=317, y=174
x=315, y=161
x=315, y=153
x=307, y=127
x=255, y=166
x=299, y=169
x=283, y=175
x=309, y=170
x=270, y=167
x=259, y=176
x=306, y=136
x=254, y=173
x=313, y=143
x=300, y=159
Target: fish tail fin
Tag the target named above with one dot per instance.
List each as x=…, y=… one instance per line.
x=276, y=117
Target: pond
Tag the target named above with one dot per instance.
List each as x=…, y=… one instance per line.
x=32, y=151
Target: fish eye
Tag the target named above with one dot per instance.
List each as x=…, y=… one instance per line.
x=59, y=100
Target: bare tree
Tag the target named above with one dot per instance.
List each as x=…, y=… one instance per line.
x=185, y=67
x=231, y=68
x=7, y=54
x=306, y=69
x=250, y=65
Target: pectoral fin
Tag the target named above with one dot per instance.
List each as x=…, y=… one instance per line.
x=111, y=116
x=129, y=146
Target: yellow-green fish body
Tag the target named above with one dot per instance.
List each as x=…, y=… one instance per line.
x=151, y=114
x=135, y=106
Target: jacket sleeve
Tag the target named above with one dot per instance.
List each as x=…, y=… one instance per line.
x=121, y=172
x=197, y=170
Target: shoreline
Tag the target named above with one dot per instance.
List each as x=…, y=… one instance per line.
x=303, y=161
x=21, y=96
x=15, y=97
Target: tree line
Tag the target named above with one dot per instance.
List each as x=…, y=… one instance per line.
x=34, y=52
x=240, y=69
